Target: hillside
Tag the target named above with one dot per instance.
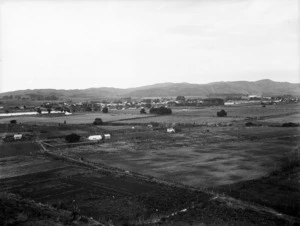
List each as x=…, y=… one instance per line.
x=265, y=87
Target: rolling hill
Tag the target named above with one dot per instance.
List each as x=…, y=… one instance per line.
x=261, y=87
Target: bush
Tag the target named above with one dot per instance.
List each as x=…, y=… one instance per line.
x=148, y=105
x=290, y=124
x=222, y=113
x=98, y=121
x=105, y=110
x=72, y=138
x=13, y=121
x=143, y=111
x=161, y=111
x=249, y=124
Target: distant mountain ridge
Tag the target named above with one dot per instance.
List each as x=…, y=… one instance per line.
x=261, y=87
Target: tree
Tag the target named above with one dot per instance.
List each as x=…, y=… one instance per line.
x=180, y=99
x=49, y=110
x=72, y=138
x=98, y=121
x=39, y=111
x=143, y=111
x=222, y=113
x=161, y=110
x=13, y=121
x=105, y=110
x=148, y=105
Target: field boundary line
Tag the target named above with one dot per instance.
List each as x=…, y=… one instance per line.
x=148, y=178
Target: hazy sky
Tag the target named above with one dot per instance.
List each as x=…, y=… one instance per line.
x=82, y=44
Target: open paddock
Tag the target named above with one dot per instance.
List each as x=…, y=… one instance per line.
x=97, y=194
x=284, y=119
x=76, y=118
x=18, y=148
x=177, y=118
x=208, y=115
x=194, y=156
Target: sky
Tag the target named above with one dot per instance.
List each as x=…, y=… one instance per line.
x=82, y=44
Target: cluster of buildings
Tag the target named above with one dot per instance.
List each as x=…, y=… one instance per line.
x=127, y=103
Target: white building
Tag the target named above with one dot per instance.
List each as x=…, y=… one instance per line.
x=95, y=137
x=107, y=136
x=18, y=136
x=170, y=130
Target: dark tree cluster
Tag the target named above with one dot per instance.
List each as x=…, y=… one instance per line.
x=161, y=110
x=38, y=110
x=222, y=113
x=143, y=111
x=105, y=110
x=13, y=121
x=98, y=121
x=290, y=124
x=72, y=138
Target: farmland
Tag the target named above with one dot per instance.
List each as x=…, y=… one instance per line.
x=78, y=118
x=144, y=175
x=207, y=115
x=196, y=157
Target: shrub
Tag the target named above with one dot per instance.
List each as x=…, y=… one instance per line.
x=161, y=111
x=105, y=110
x=143, y=111
x=148, y=105
x=290, y=124
x=249, y=124
x=13, y=121
x=72, y=138
x=222, y=113
x=98, y=121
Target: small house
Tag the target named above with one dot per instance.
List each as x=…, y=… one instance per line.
x=18, y=136
x=107, y=136
x=95, y=137
x=170, y=130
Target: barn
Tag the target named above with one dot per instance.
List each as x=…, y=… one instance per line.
x=95, y=137
x=18, y=136
x=107, y=136
x=170, y=130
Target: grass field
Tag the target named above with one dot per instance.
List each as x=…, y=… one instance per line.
x=284, y=119
x=224, y=158
x=101, y=195
x=203, y=115
x=208, y=116
x=77, y=118
x=196, y=157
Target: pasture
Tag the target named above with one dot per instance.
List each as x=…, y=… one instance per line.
x=208, y=115
x=197, y=157
x=95, y=193
x=76, y=118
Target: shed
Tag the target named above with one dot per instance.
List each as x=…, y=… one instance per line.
x=18, y=136
x=170, y=130
x=107, y=136
x=95, y=137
